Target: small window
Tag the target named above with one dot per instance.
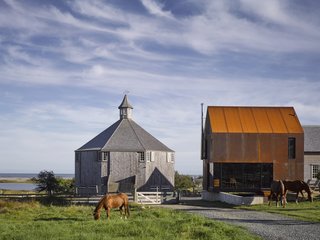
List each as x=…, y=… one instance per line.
x=291, y=148
x=141, y=156
x=170, y=157
x=314, y=171
x=104, y=156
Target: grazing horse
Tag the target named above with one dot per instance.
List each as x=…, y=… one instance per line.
x=113, y=201
x=277, y=189
x=298, y=186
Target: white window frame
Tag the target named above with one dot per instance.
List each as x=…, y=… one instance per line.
x=170, y=157
x=141, y=157
x=151, y=156
x=104, y=156
x=315, y=168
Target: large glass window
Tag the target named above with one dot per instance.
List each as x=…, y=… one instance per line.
x=243, y=176
x=291, y=148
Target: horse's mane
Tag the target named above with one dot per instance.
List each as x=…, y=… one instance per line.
x=100, y=204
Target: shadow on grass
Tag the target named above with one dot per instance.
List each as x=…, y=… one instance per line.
x=57, y=219
x=203, y=203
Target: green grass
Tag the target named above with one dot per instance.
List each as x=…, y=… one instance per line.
x=305, y=210
x=35, y=221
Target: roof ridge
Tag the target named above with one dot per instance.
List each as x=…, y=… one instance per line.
x=120, y=122
x=136, y=134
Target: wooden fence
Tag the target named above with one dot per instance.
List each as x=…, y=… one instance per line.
x=156, y=197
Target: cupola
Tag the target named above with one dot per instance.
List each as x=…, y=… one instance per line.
x=125, y=109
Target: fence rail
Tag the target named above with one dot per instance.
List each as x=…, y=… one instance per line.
x=139, y=197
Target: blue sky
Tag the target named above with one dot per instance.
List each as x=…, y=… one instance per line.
x=65, y=65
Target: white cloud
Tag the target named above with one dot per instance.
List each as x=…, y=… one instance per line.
x=155, y=8
x=166, y=62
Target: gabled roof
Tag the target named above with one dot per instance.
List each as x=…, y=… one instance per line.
x=253, y=120
x=311, y=138
x=125, y=135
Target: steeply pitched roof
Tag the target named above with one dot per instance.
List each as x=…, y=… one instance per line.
x=311, y=138
x=125, y=103
x=253, y=120
x=125, y=135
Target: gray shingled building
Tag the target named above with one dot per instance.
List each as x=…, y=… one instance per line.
x=122, y=157
x=311, y=152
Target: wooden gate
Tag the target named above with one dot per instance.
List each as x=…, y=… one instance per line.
x=148, y=198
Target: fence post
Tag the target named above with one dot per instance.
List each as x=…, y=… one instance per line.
x=135, y=195
x=157, y=195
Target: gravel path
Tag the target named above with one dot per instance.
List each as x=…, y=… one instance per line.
x=266, y=225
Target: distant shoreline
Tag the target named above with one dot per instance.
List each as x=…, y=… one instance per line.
x=26, y=177
x=15, y=180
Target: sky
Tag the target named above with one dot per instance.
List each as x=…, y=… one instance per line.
x=66, y=65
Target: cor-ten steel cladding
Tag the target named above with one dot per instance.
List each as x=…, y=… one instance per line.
x=255, y=135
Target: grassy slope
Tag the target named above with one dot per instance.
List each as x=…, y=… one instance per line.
x=34, y=221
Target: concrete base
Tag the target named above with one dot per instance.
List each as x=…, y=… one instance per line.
x=233, y=199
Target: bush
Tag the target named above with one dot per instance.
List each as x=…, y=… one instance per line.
x=47, y=181
x=182, y=181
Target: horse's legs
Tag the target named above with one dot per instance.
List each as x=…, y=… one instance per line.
x=126, y=210
x=121, y=211
x=283, y=200
x=277, y=200
x=108, y=212
x=270, y=198
x=297, y=195
x=302, y=194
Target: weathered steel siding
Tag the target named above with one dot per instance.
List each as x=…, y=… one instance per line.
x=258, y=148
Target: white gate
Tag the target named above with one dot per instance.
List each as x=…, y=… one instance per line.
x=149, y=197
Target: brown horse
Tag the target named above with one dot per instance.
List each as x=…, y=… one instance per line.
x=298, y=186
x=277, y=189
x=113, y=201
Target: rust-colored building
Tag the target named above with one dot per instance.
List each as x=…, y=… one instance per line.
x=244, y=148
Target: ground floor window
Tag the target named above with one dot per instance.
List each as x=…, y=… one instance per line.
x=243, y=176
x=314, y=171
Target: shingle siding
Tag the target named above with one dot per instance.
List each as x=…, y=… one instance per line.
x=124, y=142
x=311, y=138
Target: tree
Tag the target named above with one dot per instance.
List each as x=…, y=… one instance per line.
x=182, y=181
x=46, y=181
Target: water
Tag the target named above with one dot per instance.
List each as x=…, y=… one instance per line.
x=31, y=175
x=18, y=186
x=24, y=186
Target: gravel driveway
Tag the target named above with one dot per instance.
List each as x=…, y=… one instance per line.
x=266, y=225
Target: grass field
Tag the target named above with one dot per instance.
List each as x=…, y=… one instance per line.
x=305, y=210
x=35, y=221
